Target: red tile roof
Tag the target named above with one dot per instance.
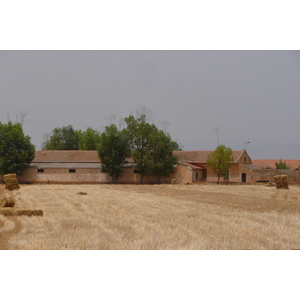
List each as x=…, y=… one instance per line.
x=57, y=156
x=271, y=163
x=91, y=156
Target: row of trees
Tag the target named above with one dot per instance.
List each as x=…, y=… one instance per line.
x=67, y=138
x=150, y=148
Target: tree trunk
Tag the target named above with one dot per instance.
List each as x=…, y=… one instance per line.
x=158, y=179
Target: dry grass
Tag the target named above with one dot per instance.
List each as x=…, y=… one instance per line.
x=154, y=217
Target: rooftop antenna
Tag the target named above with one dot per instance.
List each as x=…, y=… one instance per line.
x=217, y=132
x=246, y=145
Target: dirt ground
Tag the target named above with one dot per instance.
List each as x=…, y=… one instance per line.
x=154, y=217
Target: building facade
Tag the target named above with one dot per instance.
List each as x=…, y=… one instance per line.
x=85, y=167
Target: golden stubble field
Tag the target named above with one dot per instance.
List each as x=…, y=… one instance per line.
x=154, y=217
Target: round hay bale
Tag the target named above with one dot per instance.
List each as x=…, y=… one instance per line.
x=174, y=181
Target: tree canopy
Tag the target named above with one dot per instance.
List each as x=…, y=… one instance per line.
x=65, y=138
x=219, y=160
x=16, y=150
x=151, y=148
x=113, y=151
x=161, y=160
x=139, y=131
x=89, y=139
x=282, y=165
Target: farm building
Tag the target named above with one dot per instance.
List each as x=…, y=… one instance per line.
x=264, y=170
x=192, y=167
x=85, y=167
x=75, y=166
x=294, y=164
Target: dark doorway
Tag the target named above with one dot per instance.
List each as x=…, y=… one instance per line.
x=244, y=177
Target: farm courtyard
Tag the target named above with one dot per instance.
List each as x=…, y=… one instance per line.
x=154, y=217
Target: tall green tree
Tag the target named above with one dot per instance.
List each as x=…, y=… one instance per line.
x=16, y=150
x=89, y=139
x=113, y=150
x=161, y=160
x=219, y=160
x=282, y=165
x=65, y=138
x=139, y=131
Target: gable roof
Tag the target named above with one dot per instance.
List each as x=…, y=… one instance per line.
x=91, y=156
x=67, y=156
x=201, y=156
x=271, y=163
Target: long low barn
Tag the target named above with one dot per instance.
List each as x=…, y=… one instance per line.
x=85, y=167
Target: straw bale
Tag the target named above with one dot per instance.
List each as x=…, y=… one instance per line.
x=281, y=182
x=8, y=176
x=21, y=212
x=174, y=181
x=7, y=202
x=11, y=182
x=81, y=193
x=12, y=186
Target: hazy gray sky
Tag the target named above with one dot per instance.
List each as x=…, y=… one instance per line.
x=249, y=95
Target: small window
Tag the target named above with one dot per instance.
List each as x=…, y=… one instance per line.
x=245, y=159
x=72, y=170
x=40, y=170
x=136, y=171
x=226, y=176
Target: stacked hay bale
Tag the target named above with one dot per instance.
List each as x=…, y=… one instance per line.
x=11, y=182
x=7, y=202
x=281, y=182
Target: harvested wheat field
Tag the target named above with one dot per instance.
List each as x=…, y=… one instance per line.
x=154, y=217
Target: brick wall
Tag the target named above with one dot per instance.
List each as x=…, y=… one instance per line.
x=82, y=175
x=183, y=174
x=55, y=175
x=256, y=175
